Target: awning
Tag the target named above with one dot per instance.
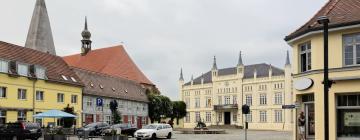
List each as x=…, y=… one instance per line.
x=54, y=114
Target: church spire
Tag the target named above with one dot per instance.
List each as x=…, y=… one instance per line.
x=86, y=42
x=181, y=75
x=287, y=58
x=214, y=64
x=240, y=62
x=40, y=35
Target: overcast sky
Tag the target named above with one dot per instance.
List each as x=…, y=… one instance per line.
x=162, y=36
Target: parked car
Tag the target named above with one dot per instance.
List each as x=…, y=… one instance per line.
x=126, y=129
x=20, y=130
x=92, y=129
x=153, y=131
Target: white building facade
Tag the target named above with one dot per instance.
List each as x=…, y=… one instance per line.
x=216, y=97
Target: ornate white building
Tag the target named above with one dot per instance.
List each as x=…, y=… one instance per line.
x=216, y=97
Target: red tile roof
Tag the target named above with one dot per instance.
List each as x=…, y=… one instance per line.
x=113, y=61
x=55, y=66
x=340, y=12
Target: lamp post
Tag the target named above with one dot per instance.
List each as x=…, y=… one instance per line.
x=327, y=83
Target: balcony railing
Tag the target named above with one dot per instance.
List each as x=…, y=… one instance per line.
x=225, y=107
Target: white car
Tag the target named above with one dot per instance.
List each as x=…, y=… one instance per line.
x=153, y=131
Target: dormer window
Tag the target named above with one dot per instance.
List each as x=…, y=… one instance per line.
x=91, y=84
x=23, y=69
x=73, y=79
x=101, y=86
x=113, y=89
x=40, y=72
x=4, y=66
x=126, y=91
x=64, y=77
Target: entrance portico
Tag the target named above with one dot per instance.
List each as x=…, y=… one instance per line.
x=226, y=114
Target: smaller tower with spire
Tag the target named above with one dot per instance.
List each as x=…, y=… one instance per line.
x=214, y=69
x=240, y=67
x=86, y=42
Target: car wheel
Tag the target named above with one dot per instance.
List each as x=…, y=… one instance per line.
x=169, y=135
x=138, y=138
x=153, y=136
x=92, y=134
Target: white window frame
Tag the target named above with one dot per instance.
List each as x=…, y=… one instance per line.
x=278, y=116
x=187, y=117
x=22, y=94
x=74, y=99
x=227, y=100
x=23, y=69
x=197, y=102
x=3, y=92
x=197, y=116
x=249, y=117
x=40, y=72
x=263, y=100
x=307, y=53
x=263, y=117
x=4, y=66
x=60, y=97
x=21, y=116
x=278, y=98
x=235, y=99
x=208, y=102
x=208, y=117
x=248, y=99
x=39, y=95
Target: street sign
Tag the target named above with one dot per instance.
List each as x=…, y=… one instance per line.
x=99, y=102
x=288, y=106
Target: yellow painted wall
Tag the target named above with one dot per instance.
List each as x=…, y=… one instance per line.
x=50, y=89
x=341, y=87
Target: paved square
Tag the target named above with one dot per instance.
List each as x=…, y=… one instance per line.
x=236, y=134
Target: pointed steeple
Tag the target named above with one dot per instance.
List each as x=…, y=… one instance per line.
x=86, y=42
x=40, y=35
x=240, y=62
x=214, y=67
x=287, y=58
x=181, y=75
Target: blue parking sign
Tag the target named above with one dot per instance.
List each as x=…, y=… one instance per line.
x=99, y=102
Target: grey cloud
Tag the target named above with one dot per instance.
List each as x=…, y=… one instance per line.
x=164, y=35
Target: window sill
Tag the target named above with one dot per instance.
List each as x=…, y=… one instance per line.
x=39, y=100
x=22, y=99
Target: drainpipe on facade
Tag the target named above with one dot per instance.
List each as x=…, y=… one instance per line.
x=34, y=97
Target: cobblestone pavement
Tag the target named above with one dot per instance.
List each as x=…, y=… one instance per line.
x=231, y=135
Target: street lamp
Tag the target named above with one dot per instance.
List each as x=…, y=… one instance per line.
x=327, y=83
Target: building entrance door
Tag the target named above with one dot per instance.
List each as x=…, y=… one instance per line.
x=227, y=117
x=309, y=120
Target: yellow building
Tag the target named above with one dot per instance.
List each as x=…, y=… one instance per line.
x=216, y=97
x=344, y=95
x=32, y=82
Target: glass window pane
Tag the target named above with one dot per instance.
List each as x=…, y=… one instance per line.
x=352, y=100
x=348, y=40
x=349, y=55
x=357, y=54
x=342, y=101
x=357, y=38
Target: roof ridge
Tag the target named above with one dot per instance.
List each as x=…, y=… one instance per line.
x=103, y=74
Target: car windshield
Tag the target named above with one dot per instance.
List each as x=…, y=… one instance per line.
x=150, y=127
x=90, y=125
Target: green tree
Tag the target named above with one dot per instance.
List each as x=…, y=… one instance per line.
x=68, y=122
x=179, y=110
x=159, y=105
x=116, y=116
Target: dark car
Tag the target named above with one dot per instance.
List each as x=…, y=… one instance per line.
x=126, y=129
x=21, y=130
x=93, y=129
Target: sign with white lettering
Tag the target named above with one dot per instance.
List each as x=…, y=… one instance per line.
x=288, y=106
x=99, y=102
